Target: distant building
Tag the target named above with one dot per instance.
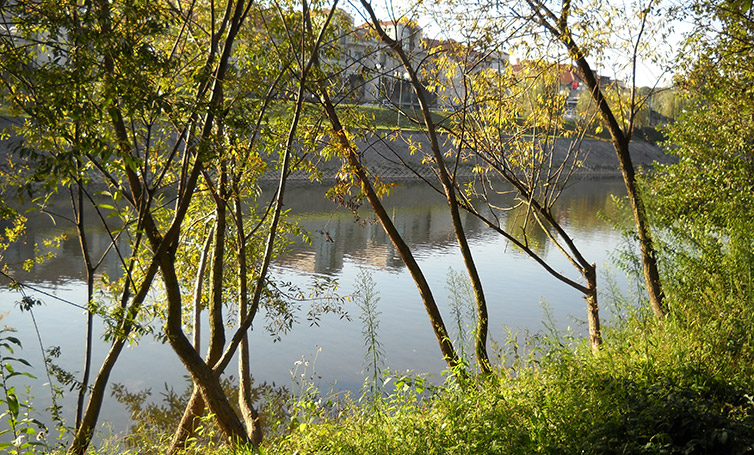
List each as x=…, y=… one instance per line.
x=370, y=73
x=572, y=85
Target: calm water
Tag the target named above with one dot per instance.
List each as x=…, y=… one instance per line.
x=514, y=284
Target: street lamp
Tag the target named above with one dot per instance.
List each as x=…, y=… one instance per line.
x=401, y=77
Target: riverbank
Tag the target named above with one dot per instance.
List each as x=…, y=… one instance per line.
x=655, y=388
x=403, y=157
x=399, y=157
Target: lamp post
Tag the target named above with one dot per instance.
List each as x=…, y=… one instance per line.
x=401, y=78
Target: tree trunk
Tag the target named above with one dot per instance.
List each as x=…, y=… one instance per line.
x=621, y=144
x=646, y=246
x=480, y=340
x=202, y=374
x=248, y=412
x=195, y=407
x=87, y=352
x=189, y=422
x=593, y=316
x=559, y=29
x=435, y=318
x=198, y=291
x=216, y=323
x=84, y=431
x=84, y=244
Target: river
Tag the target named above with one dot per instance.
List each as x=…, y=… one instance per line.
x=515, y=286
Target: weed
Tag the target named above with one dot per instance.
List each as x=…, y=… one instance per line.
x=463, y=311
x=28, y=434
x=366, y=298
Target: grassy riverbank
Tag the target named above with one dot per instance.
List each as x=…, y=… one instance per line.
x=682, y=386
x=673, y=388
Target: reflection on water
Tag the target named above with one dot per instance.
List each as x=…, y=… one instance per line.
x=340, y=247
x=421, y=216
x=66, y=264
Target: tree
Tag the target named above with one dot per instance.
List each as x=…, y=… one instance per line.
x=530, y=157
x=340, y=145
x=669, y=103
x=447, y=180
x=160, y=115
x=704, y=202
x=560, y=26
x=507, y=132
x=40, y=51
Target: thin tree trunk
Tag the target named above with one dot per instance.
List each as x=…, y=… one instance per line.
x=216, y=324
x=282, y=182
x=201, y=373
x=189, y=422
x=435, y=318
x=480, y=339
x=253, y=434
x=558, y=27
x=195, y=406
x=621, y=145
x=83, y=243
x=84, y=431
x=593, y=316
x=164, y=244
x=199, y=289
x=248, y=411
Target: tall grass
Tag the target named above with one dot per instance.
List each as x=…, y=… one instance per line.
x=655, y=389
x=366, y=298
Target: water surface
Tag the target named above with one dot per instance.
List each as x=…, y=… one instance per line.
x=341, y=247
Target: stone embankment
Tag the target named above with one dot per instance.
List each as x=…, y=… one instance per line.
x=403, y=157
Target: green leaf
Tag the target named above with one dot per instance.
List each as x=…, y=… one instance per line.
x=13, y=405
x=14, y=340
x=20, y=373
x=19, y=360
x=8, y=347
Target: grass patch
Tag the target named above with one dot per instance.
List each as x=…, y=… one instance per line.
x=683, y=386
x=387, y=118
x=655, y=389
x=390, y=118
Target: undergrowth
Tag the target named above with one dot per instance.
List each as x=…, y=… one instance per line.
x=655, y=388
x=681, y=386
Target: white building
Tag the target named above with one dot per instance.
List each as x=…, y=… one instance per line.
x=370, y=73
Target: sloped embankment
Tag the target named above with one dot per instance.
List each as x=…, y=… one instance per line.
x=404, y=157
